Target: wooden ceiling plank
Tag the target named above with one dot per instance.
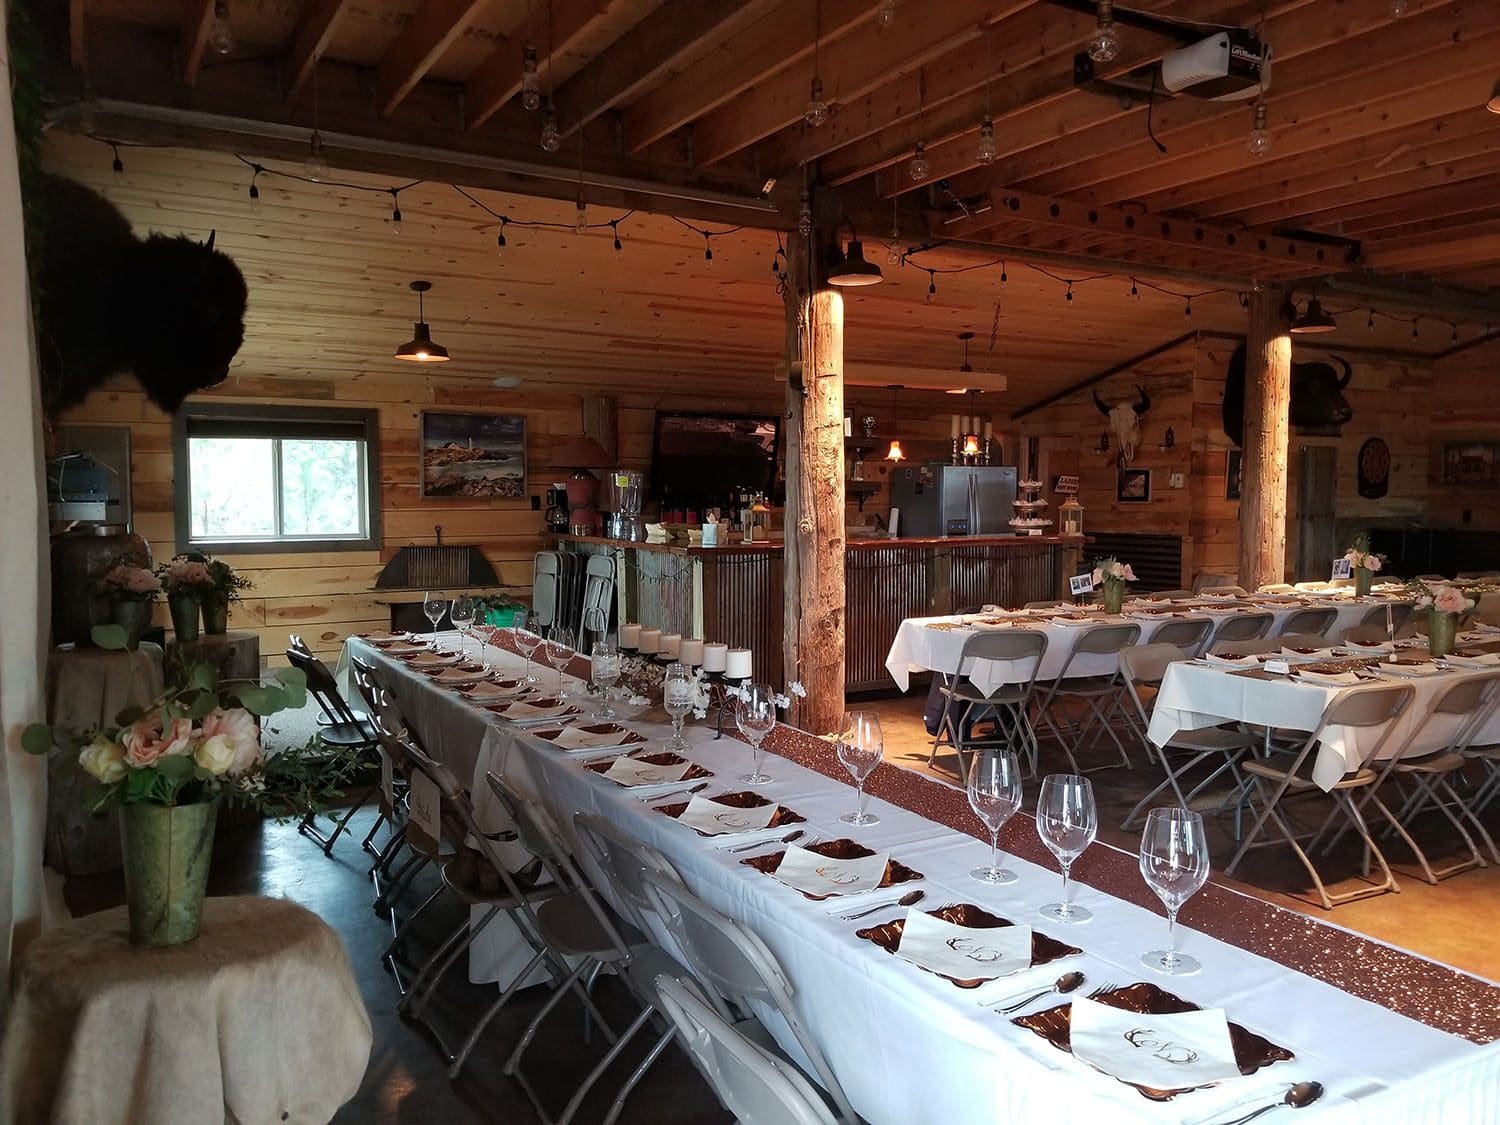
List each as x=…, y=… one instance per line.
x=1457, y=197
x=768, y=47
x=196, y=24
x=1437, y=227
x=1479, y=245
x=498, y=78
x=849, y=69
x=432, y=29
x=644, y=54
x=315, y=29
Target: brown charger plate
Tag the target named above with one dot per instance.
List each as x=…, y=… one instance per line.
x=660, y=758
x=502, y=685
x=1333, y=667
x=632, y=737
x=1055, y=1025
x=1043, y=948
x=744, y=800
x=468, y=667
x=842, y=848
x=550, y=701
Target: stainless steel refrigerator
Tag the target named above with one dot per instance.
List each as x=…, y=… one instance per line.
x=941, y=499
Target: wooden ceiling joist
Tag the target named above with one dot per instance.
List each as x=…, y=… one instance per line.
x=315, y=28
x=432, y=29
x=1479, y=243
x=196, y=24
x=498, y=78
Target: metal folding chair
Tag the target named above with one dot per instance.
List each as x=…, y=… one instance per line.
x=345, y=730
x=1224, y=591
x=1317, y=621
x=1009, y=705
x=1100, y=695
x=1190, y=636
x=1241, y=627
x=598, y=600
x=1168, y=595
x=544, y=589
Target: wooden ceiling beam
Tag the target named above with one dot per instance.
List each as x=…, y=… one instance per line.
x=771, y=45
x=649, y=50
x=432, y=29
x=1439, y=227
x=498, y=78
x=77, y=36
x=1475, y=192
x=315, y=28
x=1479, y=245
x=196, y=24
x=849, y=69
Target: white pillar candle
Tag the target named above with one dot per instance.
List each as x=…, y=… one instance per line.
x=953, y=427
x=968, y=424
x=668, y=643
x=650, y=641
x=630, y=636
x=738, y=666
x=715, y=657
x=989, y=429
x=691, y=652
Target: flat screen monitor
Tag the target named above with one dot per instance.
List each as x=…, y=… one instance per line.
x=702, y=456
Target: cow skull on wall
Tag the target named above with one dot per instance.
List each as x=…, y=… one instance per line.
x=1125, y=422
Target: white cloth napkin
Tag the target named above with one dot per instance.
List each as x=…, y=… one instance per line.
x=1165, y=1052
x=1360, y=646
x=632, y=771
x=713, y=819
x=404, y=648
x=1320, y=654
x=819, y=875
x=576, y=738
x=532, y=711
x=1484, y=660
x=1329, y=679
x=1426, y=668
x=454, y=676
x=1233, y=661
x=964, y=952
x=432, y=660
x=485, y=690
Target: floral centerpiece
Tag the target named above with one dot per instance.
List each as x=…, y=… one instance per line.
x=168, y=764
x=187, y=583
x=1110, y=577
x=130, y=591
x=1363, y=564
x=226, y=584
x=1442, y=604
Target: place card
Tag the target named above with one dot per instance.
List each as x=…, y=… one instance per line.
x=631, y=772
x=709, y=818
x=821, y=876
x=1278, y=667
x=962, y=952
x=1163, y=1051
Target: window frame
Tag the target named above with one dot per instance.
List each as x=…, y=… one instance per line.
x=368, y=422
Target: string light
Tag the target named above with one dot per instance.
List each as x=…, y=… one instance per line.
x=117, y=166
x=614, y=226
x=531, y=85
x=1398, y=8
x=255, y=171
x=1187, y=310
x=1414, y=328
x=816, y=113
x=220, y=34
x=708, y=250
x=893, y=247
x=1370, y=321
x=1069, y=297
x=1003, y=278
x=1134, y=292
x=315, y=166
x=919, y=168
x=1453, y=339
x=931, y=285
x=551, y=135
x=395, y=210
x=1104, y=44
x=581, y=216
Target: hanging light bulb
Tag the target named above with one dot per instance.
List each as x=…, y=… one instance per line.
x=220, y=36
x=1104, y=44
x=816, y=113
x=614, y=226
x=1398, y=8
x=804, y=216
x=887, y=13
x=315, y=167
x=708, y=249
x=931, y=286
x=895, y=453
x=1259, y=140
x=919, y=169
x=395, y=211
x=986, y=152
x=1187, y=309
x=254, y=198
x=581, y=217
x=1134, y=292
x=551, y=135
x=117, y=166
x=531, y=85
x=893, y=251
x=1370, y=321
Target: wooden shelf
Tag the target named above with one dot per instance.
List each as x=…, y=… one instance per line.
x=861, y=490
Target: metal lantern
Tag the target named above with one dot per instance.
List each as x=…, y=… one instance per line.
x=1071, y=513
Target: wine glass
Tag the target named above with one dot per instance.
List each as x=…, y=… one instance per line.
x=462, y=613
x=861, y=746
x=1174, y=863
x=755, y=715
x=527, y=639
x=994, y=795
x=434, y=606
x=1067, y=821
x=604, y=672
x=677, y=698
x=559, y=652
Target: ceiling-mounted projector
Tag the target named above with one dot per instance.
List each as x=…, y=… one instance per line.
x=1226, y=66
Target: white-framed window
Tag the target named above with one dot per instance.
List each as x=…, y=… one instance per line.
x=276, y=478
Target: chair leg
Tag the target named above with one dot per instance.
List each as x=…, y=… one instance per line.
x=640, y=1072
x=456, y=1063
x=368, y=843
x=604, y=1064
x=388, y=957
x=513, y=1062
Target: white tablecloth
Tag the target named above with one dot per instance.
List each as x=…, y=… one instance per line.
x=918, y=648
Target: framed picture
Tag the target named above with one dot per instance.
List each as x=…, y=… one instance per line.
x=1232, y=475
x=1134, y=486
x=478, y=456
x=1470, y=462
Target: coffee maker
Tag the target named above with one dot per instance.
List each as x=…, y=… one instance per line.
x=556, y=515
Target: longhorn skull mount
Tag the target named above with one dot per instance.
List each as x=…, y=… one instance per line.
x=1125, y=422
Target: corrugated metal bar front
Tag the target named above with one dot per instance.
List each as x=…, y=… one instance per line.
x=663, y=584
x=883, y=586
x=1008, y=576
x=742, y=607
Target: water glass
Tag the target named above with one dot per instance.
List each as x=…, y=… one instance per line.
x=559, y=652
x=604, y=673
x=1174, y=863
x=861, y=746
x=755, y=715
x=434, y=606
x=527, y=639
x=994, y=795
x=677, y=698
x=1067, y=820
x=462, y=613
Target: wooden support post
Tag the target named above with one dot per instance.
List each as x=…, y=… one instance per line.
x=813, y=564
x=1263, y=481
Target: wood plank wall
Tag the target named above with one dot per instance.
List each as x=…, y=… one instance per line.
x=1463, y=409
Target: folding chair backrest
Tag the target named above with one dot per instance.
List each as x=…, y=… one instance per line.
x=732, y=960
x=1474, y=696
x=1244, y=627
x=753, y=1084
x=1098, y=639
x=322, y=686
x=1165, y=595
x=1310, y=621
x=622, y=861
x=1187, y=635
x=1253, y=647
x=1276, y=588
x=1007, y=644
x=1224, y=591
x=1369, y=633
x=1368, y=706
x=1144, y=666
x=1303, y=640
x=1487, y=608
x=544, y=589
x=598, y=599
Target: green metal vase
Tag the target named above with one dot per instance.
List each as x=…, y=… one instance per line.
x=1112, y=596
x=1441, y=631
x=215, y=616
x=1364, y=578
x=184, y=610
x=167, y=852
x=133, y=616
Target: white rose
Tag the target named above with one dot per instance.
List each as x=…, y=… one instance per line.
x=215, y=754
x=104, y=759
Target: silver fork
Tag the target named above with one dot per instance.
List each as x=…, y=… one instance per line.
x=1107, y=986
x=753, y=845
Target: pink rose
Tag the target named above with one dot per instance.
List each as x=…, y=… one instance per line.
x=145, y=741
x=1449, y=600
x=1097, y=577
x=237, y=727
x=1129, y=574
x=1372, y=563
x=142, y=581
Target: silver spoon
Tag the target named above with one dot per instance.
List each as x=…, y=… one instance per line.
x=789, y=838
x=1068, y=982
x=1302, y=1094
x=910, y=898
x=662, y=798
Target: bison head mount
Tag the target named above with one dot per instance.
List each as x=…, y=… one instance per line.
x=1318, y=401
x=1125, y=422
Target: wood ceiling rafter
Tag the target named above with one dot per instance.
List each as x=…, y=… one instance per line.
x=498, y=78
x=315, y=29
x=196, y=24
x=1480, y=243
x=433, y=28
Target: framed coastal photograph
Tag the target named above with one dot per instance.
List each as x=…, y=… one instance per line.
x=1134, y=486
x=1470, y=462
x=1232, y=474
x=480, y=456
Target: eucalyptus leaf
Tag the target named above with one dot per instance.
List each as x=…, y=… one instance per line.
x=109, y=636
x=37, y=739
x=202, y=705
x=175, y=767
x=261, y=700
x=203, y=676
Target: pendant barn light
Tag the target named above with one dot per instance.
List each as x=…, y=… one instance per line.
x=1104, y=44
x=895, y=453
x=551, y=135
x=1493, y=105
x=420, y=348
x=1313, y=320
x=851, y=268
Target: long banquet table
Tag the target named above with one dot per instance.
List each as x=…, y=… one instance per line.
x=1394, y=1037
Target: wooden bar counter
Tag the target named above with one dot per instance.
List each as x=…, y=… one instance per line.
x=732, y=593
